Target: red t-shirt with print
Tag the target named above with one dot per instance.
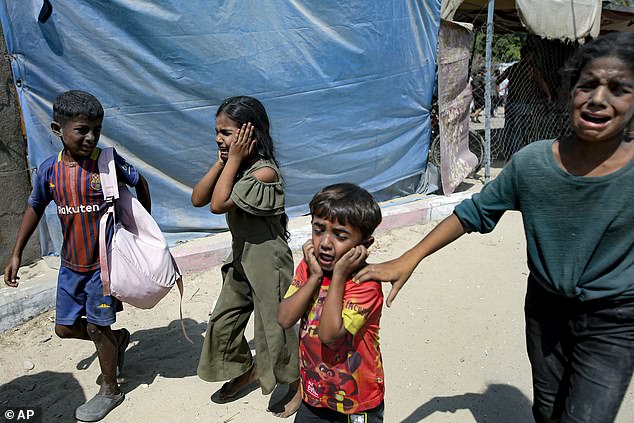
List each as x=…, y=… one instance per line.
x=346, y=376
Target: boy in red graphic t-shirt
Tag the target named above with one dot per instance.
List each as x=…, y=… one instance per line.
x=340, y=360
x=71, y=179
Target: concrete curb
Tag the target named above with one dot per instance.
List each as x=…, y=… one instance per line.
x=37, y=294
x=33, y=297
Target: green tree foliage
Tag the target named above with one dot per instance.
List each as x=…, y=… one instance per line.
x=505, y=47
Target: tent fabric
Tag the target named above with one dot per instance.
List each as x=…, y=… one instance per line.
x=347, y=86
x=561, y=20
x=550, y=19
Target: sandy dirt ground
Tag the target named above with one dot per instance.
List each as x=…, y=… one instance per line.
x=453, y=346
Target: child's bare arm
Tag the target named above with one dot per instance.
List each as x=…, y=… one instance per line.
x=143, y=193
x=201, y=195
x=239, y=150
x=30, y=219
x=291, y=309
x=331, y=325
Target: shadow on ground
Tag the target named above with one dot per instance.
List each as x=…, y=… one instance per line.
x=158, y=351
x=499, y=403
x=56, y=395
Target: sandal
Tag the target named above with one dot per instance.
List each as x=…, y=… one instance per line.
x=221, y=396
x=98, y=407
x=289, y=404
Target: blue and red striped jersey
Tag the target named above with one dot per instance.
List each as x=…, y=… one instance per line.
x=75, y=187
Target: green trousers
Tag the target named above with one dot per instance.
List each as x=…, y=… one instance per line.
x=226, y=353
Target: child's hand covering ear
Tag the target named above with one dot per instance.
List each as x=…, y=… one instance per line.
x=351, y=261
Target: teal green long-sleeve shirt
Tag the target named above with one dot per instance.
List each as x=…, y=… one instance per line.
x=579, y=230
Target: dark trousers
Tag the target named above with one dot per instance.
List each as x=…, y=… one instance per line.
x=309, y=414
x=581, y=353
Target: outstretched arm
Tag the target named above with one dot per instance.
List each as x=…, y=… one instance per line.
x=30, y=219
x=398, y=271
x=292, y=308
x=331, y=325
x=143, y=193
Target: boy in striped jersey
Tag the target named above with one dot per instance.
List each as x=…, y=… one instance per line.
x=71, y=180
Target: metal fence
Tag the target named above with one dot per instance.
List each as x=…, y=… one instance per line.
x=529, y=100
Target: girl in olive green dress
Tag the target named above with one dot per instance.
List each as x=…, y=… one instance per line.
x=245, y=184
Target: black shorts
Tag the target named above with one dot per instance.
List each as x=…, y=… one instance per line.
x=309, y=414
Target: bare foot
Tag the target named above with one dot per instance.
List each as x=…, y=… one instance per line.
x=231, y=389
x=288, y=405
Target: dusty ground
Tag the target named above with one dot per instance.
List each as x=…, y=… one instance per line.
x=453, y=346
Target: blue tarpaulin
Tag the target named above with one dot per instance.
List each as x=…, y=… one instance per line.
x=347, y=86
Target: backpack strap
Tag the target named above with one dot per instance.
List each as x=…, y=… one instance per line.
x=181, y=290
x=108, y=174
x=103, y=251
x=110, y=189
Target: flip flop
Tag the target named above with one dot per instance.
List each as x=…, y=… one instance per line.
x=220, y=397
x=123, y=345
x=98, y=407
x=289, y=404
x=222, y=392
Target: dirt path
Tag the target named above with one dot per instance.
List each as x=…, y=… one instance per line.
x=453, y=346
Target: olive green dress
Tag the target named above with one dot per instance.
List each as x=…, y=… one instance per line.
x=256, y=275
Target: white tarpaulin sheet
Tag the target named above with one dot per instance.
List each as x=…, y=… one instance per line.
x=561, y=19
x=347, y=86
x=551, y=19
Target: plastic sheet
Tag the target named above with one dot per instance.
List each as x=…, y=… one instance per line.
x=347, y=86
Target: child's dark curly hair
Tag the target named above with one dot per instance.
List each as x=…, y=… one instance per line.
x=347, y=204
x=614, y=44
x=75, y=103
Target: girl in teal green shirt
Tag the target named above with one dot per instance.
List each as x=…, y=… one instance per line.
x=575, y=195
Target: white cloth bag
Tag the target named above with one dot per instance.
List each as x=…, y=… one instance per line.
x=138, y=268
